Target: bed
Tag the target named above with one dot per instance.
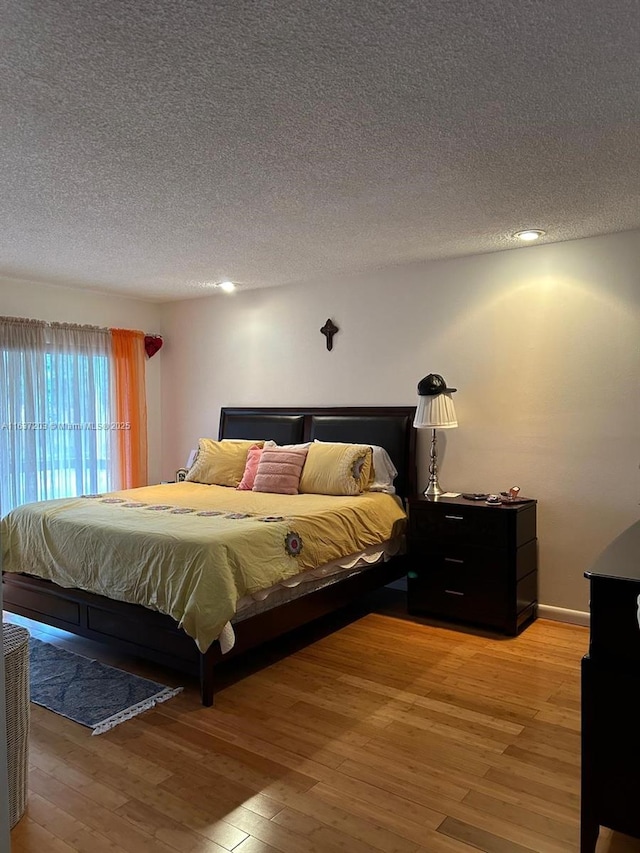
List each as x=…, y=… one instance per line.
x=145, y=632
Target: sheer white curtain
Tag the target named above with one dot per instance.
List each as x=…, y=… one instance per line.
x=56, y=400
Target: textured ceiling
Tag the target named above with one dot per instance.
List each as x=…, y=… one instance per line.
x=153, y=148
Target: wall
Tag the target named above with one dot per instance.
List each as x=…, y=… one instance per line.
x=66, y=305
x=542, y=343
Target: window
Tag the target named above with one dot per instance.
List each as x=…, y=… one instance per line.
x=59, y=401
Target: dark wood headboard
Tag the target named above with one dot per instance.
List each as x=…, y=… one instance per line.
x=390, y=427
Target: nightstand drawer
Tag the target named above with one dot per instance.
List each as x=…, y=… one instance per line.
x=476, y=566
x=466, y=598
x=489, y=563
x=460, y=524
x=463, y=596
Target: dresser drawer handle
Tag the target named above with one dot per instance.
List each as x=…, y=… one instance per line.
x=455, y=517
x=453, y=592
x=452, y=560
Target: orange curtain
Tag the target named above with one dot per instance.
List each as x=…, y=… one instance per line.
x=131, y=406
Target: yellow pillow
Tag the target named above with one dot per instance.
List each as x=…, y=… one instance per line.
x=220, y=463
x=336, y=469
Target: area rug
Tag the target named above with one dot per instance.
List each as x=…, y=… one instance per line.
x=87, y=691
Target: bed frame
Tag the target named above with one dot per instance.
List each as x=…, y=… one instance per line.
x=145, y=633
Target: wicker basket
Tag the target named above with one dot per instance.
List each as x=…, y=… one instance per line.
x=15, y=645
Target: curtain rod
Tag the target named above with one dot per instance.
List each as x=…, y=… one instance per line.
x=54, y=323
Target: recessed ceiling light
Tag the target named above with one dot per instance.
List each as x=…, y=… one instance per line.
x=227, y=286
x=530, y=234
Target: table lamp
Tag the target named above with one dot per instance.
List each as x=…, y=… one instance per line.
x=435, y=411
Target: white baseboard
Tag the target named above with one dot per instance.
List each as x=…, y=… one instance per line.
x=561, y=614
x=545, y=611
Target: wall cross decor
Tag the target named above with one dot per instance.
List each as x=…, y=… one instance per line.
x=328, y=330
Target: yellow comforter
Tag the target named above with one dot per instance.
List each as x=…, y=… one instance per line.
x=190, y=550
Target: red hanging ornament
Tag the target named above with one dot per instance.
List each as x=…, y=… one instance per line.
x=152, y=343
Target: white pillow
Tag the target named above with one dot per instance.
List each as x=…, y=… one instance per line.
x=384, y=470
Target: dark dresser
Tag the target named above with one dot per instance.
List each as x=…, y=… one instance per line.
x=611, y=694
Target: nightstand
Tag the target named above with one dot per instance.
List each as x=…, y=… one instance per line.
x=474, y=563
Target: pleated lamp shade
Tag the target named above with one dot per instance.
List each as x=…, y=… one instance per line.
x=435, y=412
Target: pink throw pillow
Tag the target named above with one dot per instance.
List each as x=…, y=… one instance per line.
x=253, y=459
x=280, y=468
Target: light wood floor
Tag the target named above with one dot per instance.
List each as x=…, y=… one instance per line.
x=387, y=735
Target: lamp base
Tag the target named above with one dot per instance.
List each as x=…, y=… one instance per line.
x=433, y=490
